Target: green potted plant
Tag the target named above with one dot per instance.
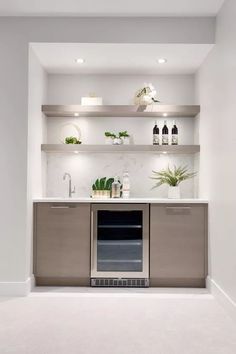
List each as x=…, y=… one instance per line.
x=173, y=178
x=102, y=188
x=72, y=140
x=125, y=137
x=121, y=138
x=109, y=137
x=112, y=138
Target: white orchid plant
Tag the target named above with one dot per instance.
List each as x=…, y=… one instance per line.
x=146, y=95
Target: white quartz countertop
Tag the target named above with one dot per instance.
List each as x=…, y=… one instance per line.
x=121, y=200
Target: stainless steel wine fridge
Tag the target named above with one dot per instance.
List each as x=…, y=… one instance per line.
x=120, y=245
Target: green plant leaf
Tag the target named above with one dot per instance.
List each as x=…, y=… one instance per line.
x=110, y=135
x=123, y=134
x=102, y=183
x=172, y=177
x=72, y=140
x=97, y=184
x=109, y=183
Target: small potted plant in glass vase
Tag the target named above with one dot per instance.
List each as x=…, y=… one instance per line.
x=173, y=178
x=125, y=137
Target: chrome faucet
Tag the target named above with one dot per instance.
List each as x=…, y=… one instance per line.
x=70, y=188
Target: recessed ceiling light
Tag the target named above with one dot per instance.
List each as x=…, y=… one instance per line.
x=76, y=114
x=79, y=60
x=165, y=114
x=76, y=152
x=162, y=60
x=164, y=152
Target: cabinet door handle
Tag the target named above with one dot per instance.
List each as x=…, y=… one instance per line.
x=178, y=210
x=60, y=207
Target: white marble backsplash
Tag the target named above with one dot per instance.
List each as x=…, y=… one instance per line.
x=85, y=168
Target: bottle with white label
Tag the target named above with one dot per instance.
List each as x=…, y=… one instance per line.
x=126, y=185
x=165, y=134
x=156, y=136
x=174, y=132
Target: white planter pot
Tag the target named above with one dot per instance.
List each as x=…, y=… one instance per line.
x=144, y=100
x=101, y=194
x=174, y=192
x=117, y=141
x=126, y=141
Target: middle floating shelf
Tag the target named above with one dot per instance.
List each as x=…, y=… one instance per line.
x=171, y=149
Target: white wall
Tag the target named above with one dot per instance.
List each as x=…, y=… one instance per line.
x=119, y=89
x=13, y=157
x=15, y=36
x=216, y=84
x=116, y=89
x=36, y=136
x=37, y=126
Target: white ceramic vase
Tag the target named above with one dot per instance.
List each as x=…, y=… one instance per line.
x=126, y=140
x=174, y=192
x=145, y=100
x=117, y=141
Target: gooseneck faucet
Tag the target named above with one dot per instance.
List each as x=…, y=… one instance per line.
x=70, y=188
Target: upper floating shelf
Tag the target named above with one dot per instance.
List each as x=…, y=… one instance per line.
x=157, y=110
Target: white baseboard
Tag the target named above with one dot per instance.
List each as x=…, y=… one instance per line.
x=32, y=282
x=222, y=297
x=16, y=288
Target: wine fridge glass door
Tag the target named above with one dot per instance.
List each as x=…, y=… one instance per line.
x=120, y=243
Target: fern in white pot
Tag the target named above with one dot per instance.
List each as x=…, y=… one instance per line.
x=173, y=178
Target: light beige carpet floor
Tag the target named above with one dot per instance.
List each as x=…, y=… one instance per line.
x=95, y=322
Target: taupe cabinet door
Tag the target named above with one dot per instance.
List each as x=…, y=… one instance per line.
x=62, y=244
x=178, y=245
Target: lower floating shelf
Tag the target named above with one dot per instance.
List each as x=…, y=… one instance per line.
x=159, y=149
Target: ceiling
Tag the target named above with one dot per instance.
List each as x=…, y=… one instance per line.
x=110, y=7
x=103, y=58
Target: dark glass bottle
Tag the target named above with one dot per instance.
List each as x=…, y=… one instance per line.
x=174, y=132
x=156, y=136
x=165, y=134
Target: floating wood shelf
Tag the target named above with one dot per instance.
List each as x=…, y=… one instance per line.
x=157, y=110
x=170, y=149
